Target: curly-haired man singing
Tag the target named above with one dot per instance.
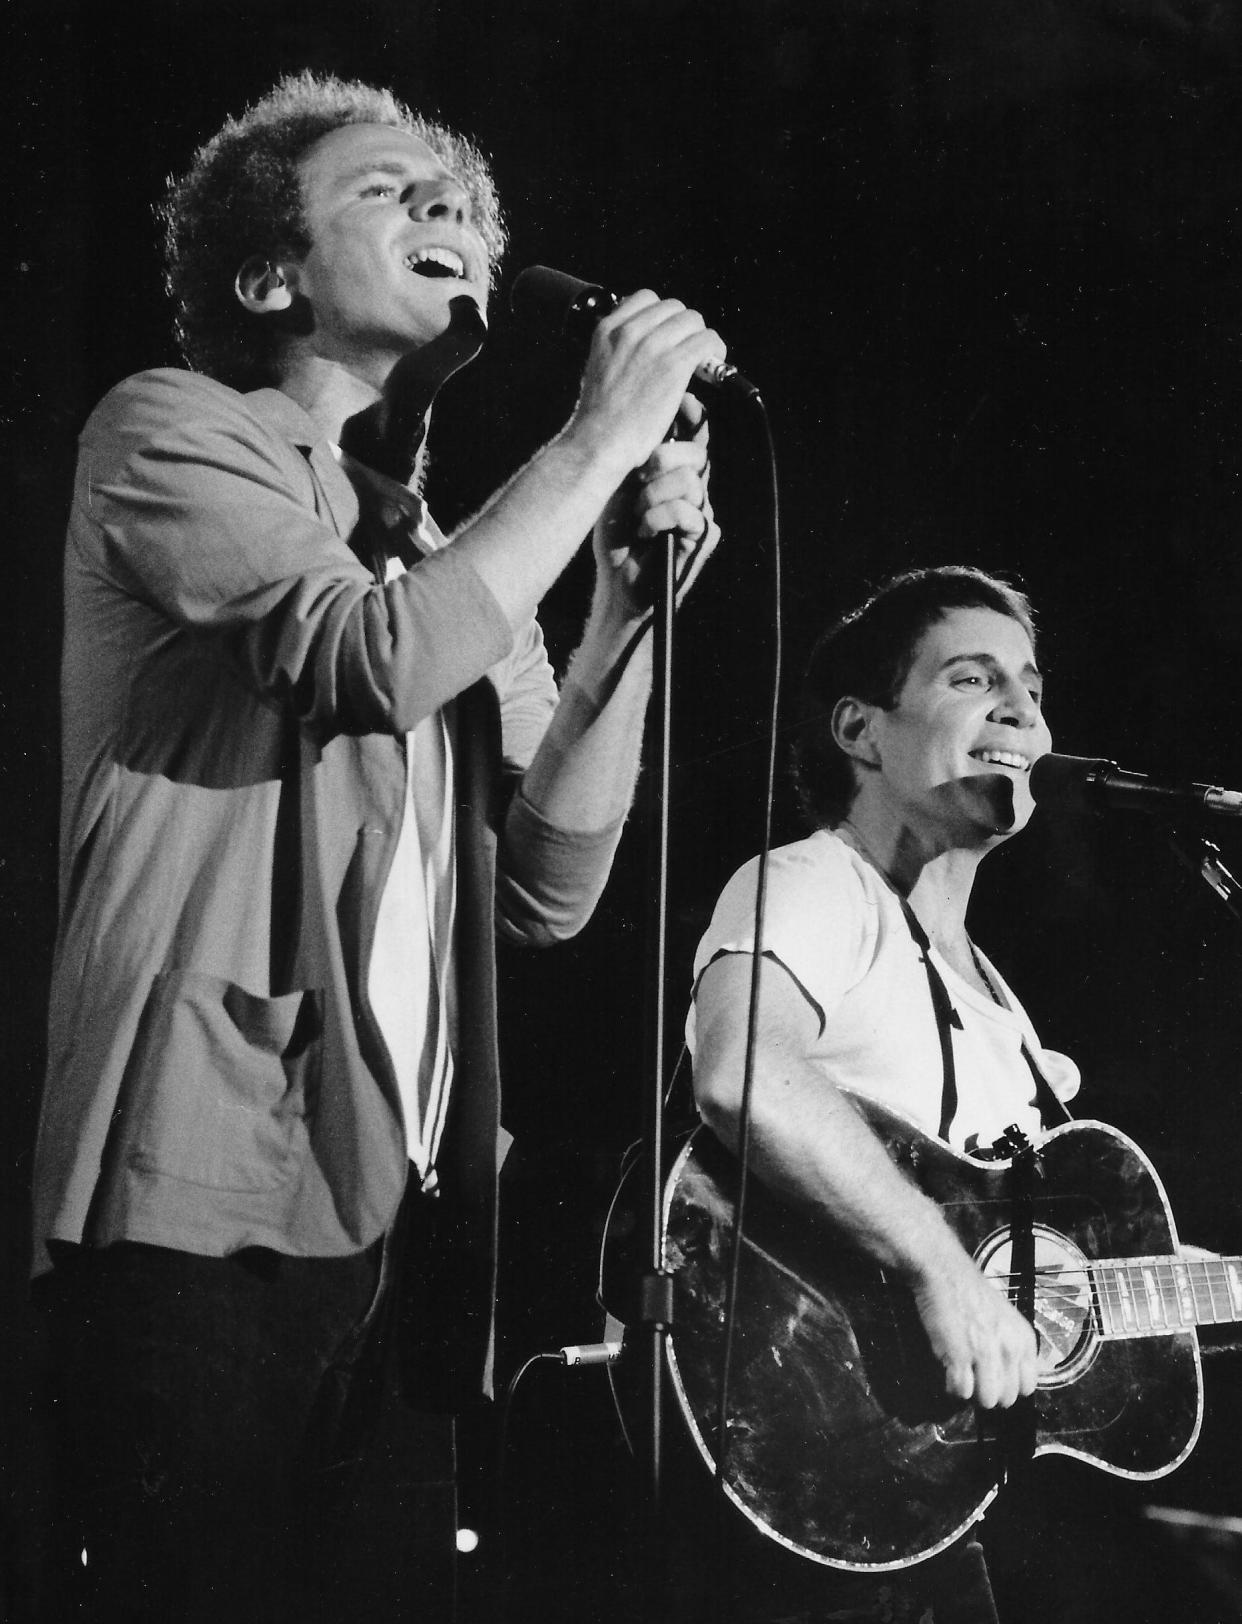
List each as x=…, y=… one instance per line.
x=314, y=758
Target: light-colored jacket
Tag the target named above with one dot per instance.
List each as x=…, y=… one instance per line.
x=236, y=688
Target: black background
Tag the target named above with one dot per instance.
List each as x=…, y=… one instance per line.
x=982, y=258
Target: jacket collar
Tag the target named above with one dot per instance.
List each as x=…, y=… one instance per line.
x=283, y=414
x=280, y=413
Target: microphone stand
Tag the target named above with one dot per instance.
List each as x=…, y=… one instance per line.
x=1202, y=857
x=655, y=1293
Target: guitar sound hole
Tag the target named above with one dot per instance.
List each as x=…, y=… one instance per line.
x=1064, y=1320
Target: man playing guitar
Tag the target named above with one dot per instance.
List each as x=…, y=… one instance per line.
x=921, y=717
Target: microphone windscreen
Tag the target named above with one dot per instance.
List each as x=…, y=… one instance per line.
x=1062, y=780
x=539, y=290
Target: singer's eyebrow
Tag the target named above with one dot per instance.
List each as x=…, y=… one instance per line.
x=1030, y=672
x=397, y=168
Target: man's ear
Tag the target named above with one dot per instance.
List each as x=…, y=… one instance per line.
x=265, y=286
x=852, y=731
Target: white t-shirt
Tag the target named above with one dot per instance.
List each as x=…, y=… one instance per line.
x=838, y=928
x=411, y=984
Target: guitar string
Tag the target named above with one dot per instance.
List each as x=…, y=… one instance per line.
x=1205, y=1285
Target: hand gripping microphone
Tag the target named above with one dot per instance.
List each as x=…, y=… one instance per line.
x=574, y=307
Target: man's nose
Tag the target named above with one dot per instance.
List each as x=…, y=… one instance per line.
x=1017, y=707
x=441, y=199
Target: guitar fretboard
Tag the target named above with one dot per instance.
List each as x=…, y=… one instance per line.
x=1150, y=1296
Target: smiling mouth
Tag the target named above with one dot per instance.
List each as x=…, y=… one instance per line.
x=1003, y=758
x=437, y=264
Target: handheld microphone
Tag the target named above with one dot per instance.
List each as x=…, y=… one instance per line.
x=575, y=306
x=1085, y=784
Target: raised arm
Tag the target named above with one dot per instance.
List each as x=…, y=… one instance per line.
x=641, y=359
x=584, y=774
x=811, y=1147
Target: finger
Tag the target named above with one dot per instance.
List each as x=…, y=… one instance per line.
x=692, y=555
x=1028, y=1377
x=996, y=1386
x=694, y=551
x=1007, y=1389
x=1018, y=1369
x=670, y=485
x=666, y=328
x=693, y=416
x=686, y=518
x=670, y=454
x=704, y=344
x=629, y=307
x=644, y=313
x=987, y=1387
x=959, y=1380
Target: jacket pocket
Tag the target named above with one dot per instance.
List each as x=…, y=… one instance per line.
x=220, y=1083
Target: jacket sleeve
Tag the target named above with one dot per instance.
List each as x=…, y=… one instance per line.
x=548, y=880
x=206, y=515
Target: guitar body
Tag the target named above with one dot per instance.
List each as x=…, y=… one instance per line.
x=842, y=1445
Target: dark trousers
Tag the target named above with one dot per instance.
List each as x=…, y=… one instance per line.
x=229, y=1445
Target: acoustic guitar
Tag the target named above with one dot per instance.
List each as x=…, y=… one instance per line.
x=841, y=1443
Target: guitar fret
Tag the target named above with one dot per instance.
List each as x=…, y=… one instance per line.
x=1155, y=1302
x=1096, y=1284
x=1143, y=1279
x=1129, y=1318
x=1120, y=1299
x=1185, y=1293
x=1174, y=1303
x=1201, y=1291
x=1218, y=1289
x=1170, y=1306
x=1179, y=1293
x=1234, y=1277
x=1109, y=1300
x=1103, y=1316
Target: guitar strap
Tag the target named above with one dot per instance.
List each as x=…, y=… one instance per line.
x=1051, y=1110
x=946, y=1015
x=1016, y=1427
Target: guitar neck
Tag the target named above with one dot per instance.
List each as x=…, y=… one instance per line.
x=1155, y=1296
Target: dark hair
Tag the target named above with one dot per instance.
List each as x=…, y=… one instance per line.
x=867, y=655
x=242, y=196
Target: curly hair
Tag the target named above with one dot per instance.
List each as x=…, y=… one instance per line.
x=242, y=196
x=867, y=655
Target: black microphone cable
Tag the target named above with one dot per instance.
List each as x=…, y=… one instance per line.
x=748, y=1070
x=576, y=1356
x=579, y=305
